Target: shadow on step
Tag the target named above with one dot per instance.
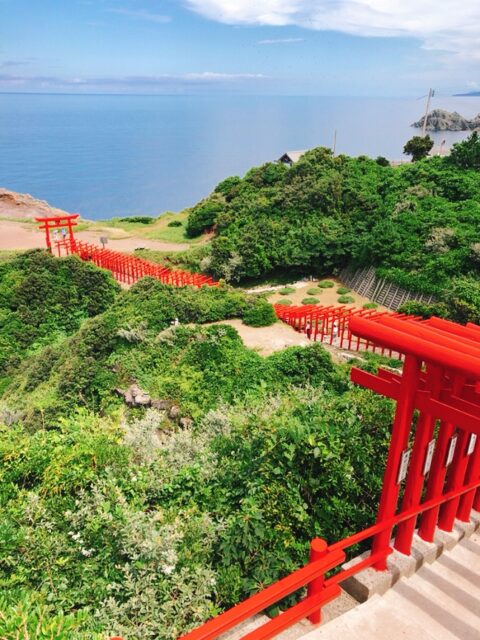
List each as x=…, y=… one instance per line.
x=455, y=566
x=452, y=623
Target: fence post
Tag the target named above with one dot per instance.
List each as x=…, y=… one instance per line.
x=318, y=550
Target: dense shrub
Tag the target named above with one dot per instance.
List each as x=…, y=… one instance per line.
x=370, y=305
x=286, y=291
x=326, y=284
x=343, y=290
x=174, y=223
x=346, y=299
x=43, y=299
x=138, y=219
x=314, y=291
x=285, y=301
x=259, y=313
x=310, y=300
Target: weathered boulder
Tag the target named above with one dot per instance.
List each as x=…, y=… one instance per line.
x=174, y=412
x=135, y=397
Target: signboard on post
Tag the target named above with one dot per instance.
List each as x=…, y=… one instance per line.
x=451, y=450
x=104, y=241
x=429, y=457
x=404, y=461
x=471, y=444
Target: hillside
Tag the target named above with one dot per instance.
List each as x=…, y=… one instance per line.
x=418, y=223
x=120, y=519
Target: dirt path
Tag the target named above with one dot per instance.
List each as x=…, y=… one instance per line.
x=23, y=235
x=266, y=340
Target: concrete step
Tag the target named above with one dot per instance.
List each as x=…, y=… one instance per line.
x=439, y=602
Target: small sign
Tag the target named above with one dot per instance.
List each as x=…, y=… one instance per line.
x=402, y=472
x=104, y=240
x=451, y=450
x=429, y=457
x=471, y=444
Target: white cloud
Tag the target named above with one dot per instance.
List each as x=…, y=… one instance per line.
x=443, y=25
x=281, y=41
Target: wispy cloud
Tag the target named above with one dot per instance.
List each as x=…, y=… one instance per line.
x=281, y=41
x=440, y=25
x=141, y=14
x=125, y=83
x=10, y=64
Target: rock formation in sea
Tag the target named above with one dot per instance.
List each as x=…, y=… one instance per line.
x=441, y=120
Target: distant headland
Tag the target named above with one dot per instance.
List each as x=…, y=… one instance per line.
x=441, y=120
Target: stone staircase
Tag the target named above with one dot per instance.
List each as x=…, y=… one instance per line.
x=441, y=601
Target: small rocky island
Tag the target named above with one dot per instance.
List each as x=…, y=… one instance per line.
x=441, y=120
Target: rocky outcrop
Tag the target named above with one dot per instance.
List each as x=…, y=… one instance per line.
x=23, y=205
x=135, y=397
x=441, y=120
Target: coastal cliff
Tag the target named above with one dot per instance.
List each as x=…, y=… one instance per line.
x=441, y=120
x=24, y=206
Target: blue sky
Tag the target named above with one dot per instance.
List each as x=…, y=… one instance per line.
x=320, y=47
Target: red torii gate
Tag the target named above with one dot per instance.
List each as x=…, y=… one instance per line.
x=68, y=221
x=125, y=268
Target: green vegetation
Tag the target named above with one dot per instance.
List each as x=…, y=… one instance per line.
x=140, y=522
x=43, y=299
x=373, y=305
x=418, y=147
x=285, y=301
x=175, y=223
x=346, y=299
x=343, y=290
x=326, y=284
x=417, y=224
x=138, y=220
x=314, y=291
x=310, y=300
x=286, y=291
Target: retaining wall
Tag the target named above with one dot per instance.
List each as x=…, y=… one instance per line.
x=366, y=283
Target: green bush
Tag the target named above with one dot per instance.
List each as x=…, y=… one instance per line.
x=370, y=305
x=413, y=307
x=314, y=291
x=343, y=290
x=259, y=313
x=174, y=223
x=286, y=291
x=326, y=284
x=310, y=300
x=284, y=301
x=138, y=220
x=346, y=299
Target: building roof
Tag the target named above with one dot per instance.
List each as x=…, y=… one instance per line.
x=292, y=156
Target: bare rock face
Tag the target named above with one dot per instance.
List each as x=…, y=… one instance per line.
x=23, y=205
x=135, y=397
x=441, y=120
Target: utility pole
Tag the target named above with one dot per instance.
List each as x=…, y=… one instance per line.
x=431, y=93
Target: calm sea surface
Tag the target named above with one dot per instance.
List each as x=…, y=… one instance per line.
x=105, y=156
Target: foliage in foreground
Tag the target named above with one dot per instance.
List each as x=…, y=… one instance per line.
x=143, y=532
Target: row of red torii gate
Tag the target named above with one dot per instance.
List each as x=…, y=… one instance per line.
x=432, y=470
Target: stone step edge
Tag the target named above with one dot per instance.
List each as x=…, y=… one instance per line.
x=369, y=582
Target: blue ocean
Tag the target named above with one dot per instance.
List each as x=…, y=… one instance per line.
x=106, y=155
